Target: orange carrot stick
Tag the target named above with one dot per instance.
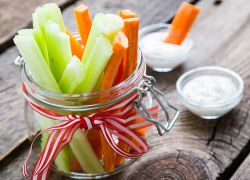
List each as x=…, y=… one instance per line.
x=94, y=138
x=126, y=13
x=76, y=47
x=120, y=76
x=182, y=23
x=129, y=62
x=83, y=21
x=119, y=49
x=74, y=164
x=131, y=28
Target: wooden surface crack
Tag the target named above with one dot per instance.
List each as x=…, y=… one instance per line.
x=213, y=132
x=231, y=169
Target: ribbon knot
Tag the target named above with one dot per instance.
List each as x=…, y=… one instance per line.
x=119, y=121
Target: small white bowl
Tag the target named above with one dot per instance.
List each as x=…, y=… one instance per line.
x=211, y=110
x=175, y=56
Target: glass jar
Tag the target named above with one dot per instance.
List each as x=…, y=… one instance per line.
x=89, y=154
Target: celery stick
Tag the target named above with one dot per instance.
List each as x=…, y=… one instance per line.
x=47, y=12
x=106, y=24
x=72, y=76
x=58, y=45
x=40, y=37
x=55, y=14
x=25, y=31
x=98, y=59
x=99, y=83
x=89, y=164
x=41, y=74
x=40, y=17
x=35, y=62
x=62, y=161
x=49, y=41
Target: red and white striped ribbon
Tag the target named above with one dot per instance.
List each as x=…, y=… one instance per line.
x=119, y=120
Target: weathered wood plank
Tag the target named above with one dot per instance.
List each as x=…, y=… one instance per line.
x=11, y=97
x=243, y=173
x=214, y=145
x=12, y=117
x=15, y=15
x=196, y=148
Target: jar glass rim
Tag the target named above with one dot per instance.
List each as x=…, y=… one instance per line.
x=42, y=95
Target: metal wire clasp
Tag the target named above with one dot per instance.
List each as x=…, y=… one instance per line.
x=148, y=85
x=19, y=61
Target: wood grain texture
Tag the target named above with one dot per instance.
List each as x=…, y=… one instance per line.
x=195, y=148
x=15, y=15
x=243, y=173
x=13, y=123
x=217, y=144
x=12, y=119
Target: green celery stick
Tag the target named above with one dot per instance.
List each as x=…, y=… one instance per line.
x=40, y=37
x=91, y=163
x=106, y=24
x=49, y=41
x=25, y=31
x=98, y=59
x=40, y=17
x=99, y=83
x=63, y=159
x=55, y=14
x=71, y=79
x=47, y=12
x=42, y=75
x=35, y=62
x=72, y=76
x=58, y=45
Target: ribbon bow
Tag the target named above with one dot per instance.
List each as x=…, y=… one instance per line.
x=117, y=121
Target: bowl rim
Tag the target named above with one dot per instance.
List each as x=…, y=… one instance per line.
x=232, y=74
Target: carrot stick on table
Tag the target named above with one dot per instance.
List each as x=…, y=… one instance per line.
x=119, y=49
x=182, y=23
x=126, y=13
x=83, y=21
x=76, y=47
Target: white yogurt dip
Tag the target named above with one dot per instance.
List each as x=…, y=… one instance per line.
x=162, y=56
x=210, y=89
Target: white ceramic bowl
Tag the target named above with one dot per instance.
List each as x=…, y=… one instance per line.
x=211, y=110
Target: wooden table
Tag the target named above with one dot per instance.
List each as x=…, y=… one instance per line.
x=195, y=148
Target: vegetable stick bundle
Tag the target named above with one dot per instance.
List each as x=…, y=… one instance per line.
x=105, y=56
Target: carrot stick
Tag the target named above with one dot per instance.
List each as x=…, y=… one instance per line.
x=76, y=47
x=74, y=164
x=120, y=75
x=129, y=62
x=131, y=28
x=83, y=21
x=119, y=49
x=126, y=13
x=182, y=23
